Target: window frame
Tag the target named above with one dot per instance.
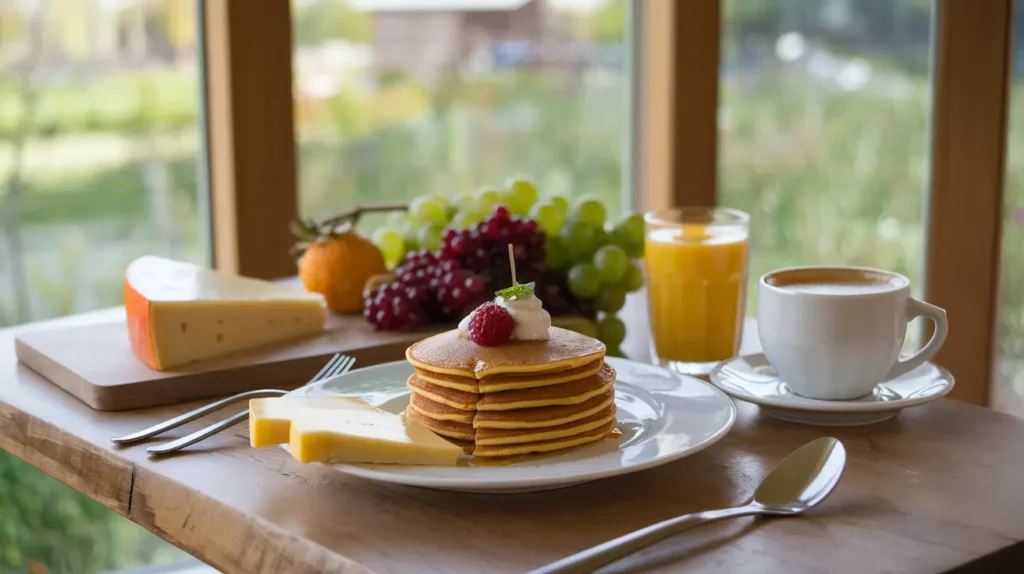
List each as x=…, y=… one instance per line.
x=972, y=65
x=253, y=187
x=677, y=140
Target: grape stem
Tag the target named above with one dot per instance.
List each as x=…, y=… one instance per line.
x=512, y=263
x=352, y=216
x=310, y=230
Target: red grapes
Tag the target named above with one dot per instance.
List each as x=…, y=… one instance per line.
x=443, y=286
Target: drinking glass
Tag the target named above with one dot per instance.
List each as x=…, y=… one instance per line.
x=696, y=261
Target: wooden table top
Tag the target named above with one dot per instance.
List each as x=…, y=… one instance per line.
x=938, y=488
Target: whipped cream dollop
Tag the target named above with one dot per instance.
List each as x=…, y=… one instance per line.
x=533, y=322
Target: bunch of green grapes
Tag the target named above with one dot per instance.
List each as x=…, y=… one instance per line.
x=601, y=257
x=423, y=225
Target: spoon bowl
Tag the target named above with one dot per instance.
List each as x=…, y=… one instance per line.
x=802, y=480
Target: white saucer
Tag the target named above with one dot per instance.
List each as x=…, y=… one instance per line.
x=663, y=416
x=751, y=378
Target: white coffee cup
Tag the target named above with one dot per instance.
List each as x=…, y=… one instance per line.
x=834, y=333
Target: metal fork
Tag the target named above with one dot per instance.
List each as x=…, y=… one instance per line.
x=337, y=365
x=342, y=364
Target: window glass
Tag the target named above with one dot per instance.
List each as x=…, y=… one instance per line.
x=1008, y=384
x=823, y=131
x=98, y=147
x=396, y=99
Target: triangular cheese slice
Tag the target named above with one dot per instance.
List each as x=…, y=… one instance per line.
x=366, y=435
x=270, y=419
x=179, y=312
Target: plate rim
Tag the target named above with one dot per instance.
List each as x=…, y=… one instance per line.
x=820, y=405
x=509, y=484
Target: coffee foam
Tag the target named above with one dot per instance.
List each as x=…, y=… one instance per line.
x=838, y=280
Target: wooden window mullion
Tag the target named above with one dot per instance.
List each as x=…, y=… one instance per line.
x=253, y=182
x=679, y=43
x=971, y=96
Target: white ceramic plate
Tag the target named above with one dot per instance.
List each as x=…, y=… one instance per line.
x=663, y=417
x=751, y=378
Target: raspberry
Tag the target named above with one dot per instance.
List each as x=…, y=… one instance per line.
x=491, y=325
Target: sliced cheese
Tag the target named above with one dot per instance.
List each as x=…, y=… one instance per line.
x=366, y=435
x=179, y=312
x=270, y=420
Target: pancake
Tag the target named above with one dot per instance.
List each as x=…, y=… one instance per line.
x=539, y=416
x=451, y=397
x=513, y=381
x=489, y=437
x=439, y=411
x=447, y=429
x=571, y=393
x=456, y=382
x=509, y=381
x=600, y=419
x=516, y=418
x=513, y=399
x=544, y=446
x=450, y=354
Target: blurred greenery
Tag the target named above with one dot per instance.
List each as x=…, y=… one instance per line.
x=45, y=521
x=570, y=145
x=1010, y=315
x=610, y=22
x=160, y=99
x=829, y=175
x=112, y=193
x=319, y=22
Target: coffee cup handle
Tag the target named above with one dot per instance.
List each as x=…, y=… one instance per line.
x=915, y=309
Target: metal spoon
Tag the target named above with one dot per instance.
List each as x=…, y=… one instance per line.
x=800, y=481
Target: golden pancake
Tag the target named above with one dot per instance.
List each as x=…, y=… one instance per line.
x=444, y=395
x=488, y=437
x=513, y=381
x=600, y=419
x=464, y=384
x=507, y=382
x=571, y=393
x=448, y=353
x=439, y=411
x=539, y=416
x=513, y=419
x=447, y=429
x=545, y=446
x=513, y=399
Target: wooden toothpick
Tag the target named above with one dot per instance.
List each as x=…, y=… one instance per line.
x=512, y=263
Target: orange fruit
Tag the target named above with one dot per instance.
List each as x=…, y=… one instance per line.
x=338, y=266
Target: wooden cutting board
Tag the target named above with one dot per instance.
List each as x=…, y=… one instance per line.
x=95, y=362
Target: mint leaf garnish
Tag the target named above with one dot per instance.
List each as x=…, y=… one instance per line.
x=516, y=291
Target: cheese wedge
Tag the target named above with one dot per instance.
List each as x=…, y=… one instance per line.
x=270, y=420
x=366, y=435
x=179, y=312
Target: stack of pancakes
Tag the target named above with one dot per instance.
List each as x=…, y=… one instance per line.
x=518, y=398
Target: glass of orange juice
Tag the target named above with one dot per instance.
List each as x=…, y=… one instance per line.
x=696, y=265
